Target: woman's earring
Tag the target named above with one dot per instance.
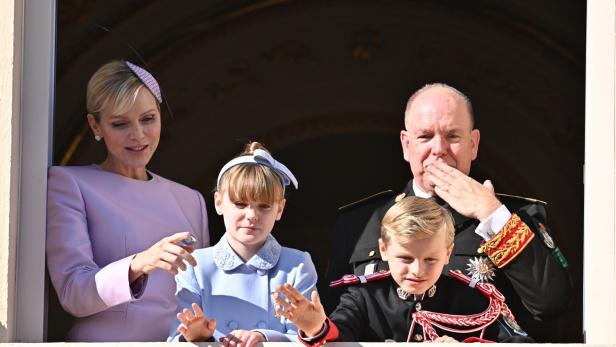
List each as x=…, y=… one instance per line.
x=97, y=137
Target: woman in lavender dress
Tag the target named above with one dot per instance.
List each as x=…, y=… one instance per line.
x=115, y=230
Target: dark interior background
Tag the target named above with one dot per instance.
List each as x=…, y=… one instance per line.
x=323, y=84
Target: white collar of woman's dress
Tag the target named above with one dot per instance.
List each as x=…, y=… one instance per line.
x=266, y=258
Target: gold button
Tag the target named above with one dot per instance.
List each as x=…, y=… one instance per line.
x=418, y=337
x=371, y=253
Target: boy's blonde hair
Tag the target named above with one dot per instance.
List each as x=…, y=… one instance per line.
x=414, y=218
x=251, y=181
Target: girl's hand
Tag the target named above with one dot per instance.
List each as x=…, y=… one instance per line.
x=165, y=254
x=195, y=326
x=444, y=339
x=309, y=316
x=242, y=338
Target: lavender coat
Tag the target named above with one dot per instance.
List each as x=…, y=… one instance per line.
x=96, y=222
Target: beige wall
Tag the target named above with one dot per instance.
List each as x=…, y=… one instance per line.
x=9, y=146
x=600, y=175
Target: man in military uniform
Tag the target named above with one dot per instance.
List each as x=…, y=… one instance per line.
x=414, y=301
x=498, y=238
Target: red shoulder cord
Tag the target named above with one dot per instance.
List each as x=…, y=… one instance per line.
x=463, y=323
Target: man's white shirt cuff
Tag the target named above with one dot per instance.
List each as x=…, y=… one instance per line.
x=494, y=223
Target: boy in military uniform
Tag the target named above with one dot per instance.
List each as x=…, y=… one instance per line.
x=411, y=302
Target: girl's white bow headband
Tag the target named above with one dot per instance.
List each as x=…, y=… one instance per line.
x=262, y=157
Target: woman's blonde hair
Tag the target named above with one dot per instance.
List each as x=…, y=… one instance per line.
x=112, y=89
x=415, y=218
x=251, y=181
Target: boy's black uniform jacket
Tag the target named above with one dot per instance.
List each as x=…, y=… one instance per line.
x=373, y=312
x=535, y=283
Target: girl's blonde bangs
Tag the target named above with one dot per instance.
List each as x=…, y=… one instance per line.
x=252, y=182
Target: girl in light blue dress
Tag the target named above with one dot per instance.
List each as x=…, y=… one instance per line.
x=226, y=297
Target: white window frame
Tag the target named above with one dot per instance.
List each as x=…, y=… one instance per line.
x=37, y=95
x=37, y=100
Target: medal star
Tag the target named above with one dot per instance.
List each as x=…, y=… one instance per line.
x=481, y=269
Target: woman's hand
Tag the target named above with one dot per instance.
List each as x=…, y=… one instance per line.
x=165, y=254
x=242, y=338
x=195, y=326
x=308, y=316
